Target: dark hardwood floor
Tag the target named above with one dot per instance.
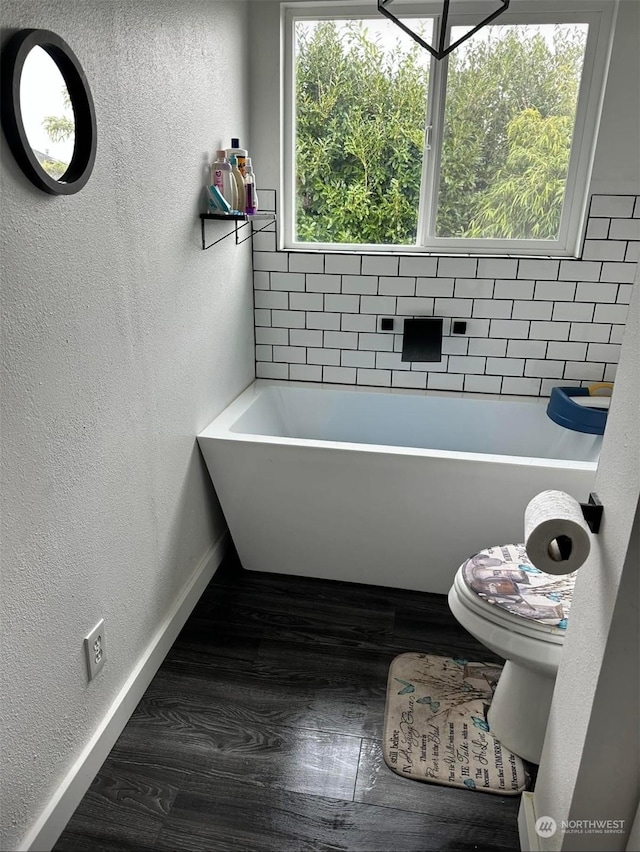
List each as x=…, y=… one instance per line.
x=261, y=731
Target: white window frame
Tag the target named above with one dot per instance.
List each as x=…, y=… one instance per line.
x=598, y=14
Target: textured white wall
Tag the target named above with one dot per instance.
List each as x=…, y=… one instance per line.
x=616, y=167
x=121, y=339
x=591, y=759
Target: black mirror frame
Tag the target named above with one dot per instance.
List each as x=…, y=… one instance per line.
x=85, y=141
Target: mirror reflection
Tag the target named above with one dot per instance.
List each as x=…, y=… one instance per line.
x=47, y=113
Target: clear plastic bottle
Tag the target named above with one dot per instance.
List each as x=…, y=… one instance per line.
x=237, y=175
x=251, y=196
x=222, y=177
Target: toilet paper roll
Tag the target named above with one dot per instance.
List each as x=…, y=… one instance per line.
x=556, y=534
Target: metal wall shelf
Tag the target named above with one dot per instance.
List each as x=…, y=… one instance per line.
x=240, y=222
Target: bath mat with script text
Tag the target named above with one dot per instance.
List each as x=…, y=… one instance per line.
x=435, y=725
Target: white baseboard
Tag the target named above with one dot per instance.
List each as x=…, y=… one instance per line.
x=529, y=839
x=69, y=794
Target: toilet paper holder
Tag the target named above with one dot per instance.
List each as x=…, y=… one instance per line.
x=592, y=512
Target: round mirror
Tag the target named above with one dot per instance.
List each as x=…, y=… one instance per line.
x=47, y=111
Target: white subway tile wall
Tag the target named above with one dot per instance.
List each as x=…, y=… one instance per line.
x=531, y=323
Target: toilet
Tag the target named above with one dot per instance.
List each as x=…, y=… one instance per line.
x=520, y=613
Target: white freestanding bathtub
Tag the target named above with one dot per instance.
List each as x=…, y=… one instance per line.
x=388, y=487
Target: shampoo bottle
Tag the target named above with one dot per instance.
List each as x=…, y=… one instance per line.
x=222, y=178
x=239, y=153
x=237, y=175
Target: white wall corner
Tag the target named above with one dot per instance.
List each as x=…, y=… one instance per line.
x=600, y=658
x=52, y=821
x=529, y=839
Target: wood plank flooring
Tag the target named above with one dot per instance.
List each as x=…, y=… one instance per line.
x=261, y=731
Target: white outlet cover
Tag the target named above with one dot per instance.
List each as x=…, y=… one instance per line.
x=95, y=649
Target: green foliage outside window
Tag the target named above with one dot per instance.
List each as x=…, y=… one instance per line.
x=360, y=118
x=58, y=128
x=360, y=138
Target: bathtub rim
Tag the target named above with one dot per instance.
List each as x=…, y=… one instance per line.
x=219, y=428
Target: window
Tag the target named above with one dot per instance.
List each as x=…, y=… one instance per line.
x=486, y=151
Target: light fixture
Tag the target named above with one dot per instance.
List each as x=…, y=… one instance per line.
x=441, y=51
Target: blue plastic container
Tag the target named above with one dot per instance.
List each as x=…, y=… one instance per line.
x=565, y=412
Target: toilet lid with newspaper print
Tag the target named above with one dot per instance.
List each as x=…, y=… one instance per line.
x=506, y=578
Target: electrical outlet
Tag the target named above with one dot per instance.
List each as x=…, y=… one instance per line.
x=95, y=649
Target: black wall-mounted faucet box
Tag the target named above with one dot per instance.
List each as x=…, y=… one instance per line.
x=422, y=339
